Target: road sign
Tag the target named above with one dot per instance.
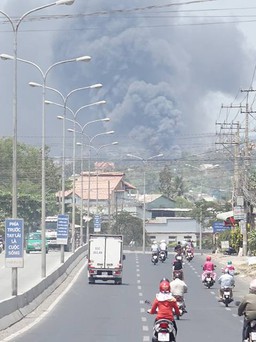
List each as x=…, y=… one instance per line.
x=97, y=223
x=219, y=227
x=14, y=247
x=239, y=213
x=62, y=229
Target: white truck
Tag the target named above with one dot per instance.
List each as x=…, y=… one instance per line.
x=105, y=258
x=51, y=225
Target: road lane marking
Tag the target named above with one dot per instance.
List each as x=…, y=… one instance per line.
x=51, y=307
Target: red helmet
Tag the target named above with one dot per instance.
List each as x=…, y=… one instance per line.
x=165, y=286
x=208, y=258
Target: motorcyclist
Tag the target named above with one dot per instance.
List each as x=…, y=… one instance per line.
x=189, y=249
x=163, y=247
x=177, y=266
x=208, y=267
x=230, y=267
x=154, y=248
x=226, y=280
x=164, y=304
x=178, y=247
x=247, y=308
x=179, y=288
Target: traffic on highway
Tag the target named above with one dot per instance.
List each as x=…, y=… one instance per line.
x=107, y=312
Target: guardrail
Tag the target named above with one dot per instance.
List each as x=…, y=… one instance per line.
x=15, y=308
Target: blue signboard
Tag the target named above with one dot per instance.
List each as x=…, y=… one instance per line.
x=14, y=247
x=219, y=227
x=62, y=229
x=97, y=223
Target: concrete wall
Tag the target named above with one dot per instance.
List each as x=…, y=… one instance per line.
x=14, y=309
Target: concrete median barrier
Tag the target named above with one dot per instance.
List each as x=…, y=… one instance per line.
x=15, y=308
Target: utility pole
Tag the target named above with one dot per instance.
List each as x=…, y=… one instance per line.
x=246, y=186
x=232, y=138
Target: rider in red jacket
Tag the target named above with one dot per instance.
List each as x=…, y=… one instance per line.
x=164, y=303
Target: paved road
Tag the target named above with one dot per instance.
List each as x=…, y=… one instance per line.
x=110, y=313
x=28, y=276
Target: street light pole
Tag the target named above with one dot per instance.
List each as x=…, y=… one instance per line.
x=64, y=99
x=44, y=77
x=144, y=194
x=89, y=182
x=15, y=28
x=74, y=114
x=97, y=171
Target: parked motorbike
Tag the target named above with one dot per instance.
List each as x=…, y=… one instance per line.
x=226, y=296
x=208, y=280
x=163, y=330
x=189, y=256
x=154, y=258
x=181, y=306
x=162, y=256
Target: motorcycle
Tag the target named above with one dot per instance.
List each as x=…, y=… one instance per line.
x=178, y=273
x=181, y=306
x=208, y=280
x=162, y=256
x=189, y=256
x=163, y=330
x=154, y=258
x=252, y=331
x=226, y=296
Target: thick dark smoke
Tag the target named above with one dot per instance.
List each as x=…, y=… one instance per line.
x=156, y=76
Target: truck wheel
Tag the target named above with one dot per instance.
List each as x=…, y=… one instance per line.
x=118, y=281
x=91, y=281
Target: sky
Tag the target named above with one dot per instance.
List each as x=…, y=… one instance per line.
x=166, y=67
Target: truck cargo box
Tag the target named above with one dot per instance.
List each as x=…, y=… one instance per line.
x=105, y=258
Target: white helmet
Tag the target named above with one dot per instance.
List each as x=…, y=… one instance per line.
x=162, y=240
x=154, y=242
x=252, y=286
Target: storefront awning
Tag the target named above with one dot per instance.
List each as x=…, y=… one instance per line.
x=225, y=216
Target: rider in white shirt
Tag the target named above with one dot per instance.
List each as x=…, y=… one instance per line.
x=154, y=248
x=163, y=247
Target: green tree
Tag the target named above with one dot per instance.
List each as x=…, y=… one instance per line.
x=170, y=185
x=29, y=176
x=165, y=180
x=129, y=226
